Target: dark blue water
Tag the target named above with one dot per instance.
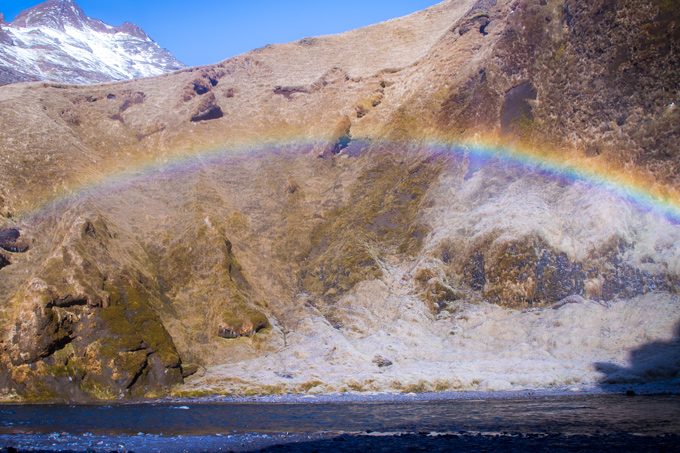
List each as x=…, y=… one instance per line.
x=554, y=423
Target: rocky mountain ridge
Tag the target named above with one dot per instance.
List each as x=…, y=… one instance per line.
x=56, y=41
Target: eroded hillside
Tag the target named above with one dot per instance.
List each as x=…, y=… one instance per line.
x=312, y=216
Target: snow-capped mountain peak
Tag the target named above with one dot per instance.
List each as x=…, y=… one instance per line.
x=53, y=14
x=57, y=41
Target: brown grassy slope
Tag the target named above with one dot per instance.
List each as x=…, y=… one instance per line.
x=124, y=290
x=79, y=133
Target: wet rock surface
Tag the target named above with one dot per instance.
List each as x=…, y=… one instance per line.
x=516, y=110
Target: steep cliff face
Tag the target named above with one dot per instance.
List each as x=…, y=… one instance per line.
x=315, y=216
x=600, y=76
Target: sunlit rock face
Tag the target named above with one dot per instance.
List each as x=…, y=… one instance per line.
x=56, y=41
x=406, y=207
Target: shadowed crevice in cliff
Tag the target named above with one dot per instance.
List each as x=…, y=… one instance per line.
x=213, y=112
x=652, y=362
x=9, y=241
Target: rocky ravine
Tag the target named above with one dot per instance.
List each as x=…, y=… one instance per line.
x=279, y=222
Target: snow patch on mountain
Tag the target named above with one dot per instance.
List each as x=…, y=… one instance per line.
x=56, y=41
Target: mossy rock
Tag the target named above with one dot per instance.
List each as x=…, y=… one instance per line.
x=121, y=350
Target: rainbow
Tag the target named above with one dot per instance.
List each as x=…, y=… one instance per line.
x=633, y=187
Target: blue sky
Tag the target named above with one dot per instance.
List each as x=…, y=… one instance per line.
x=207, y=31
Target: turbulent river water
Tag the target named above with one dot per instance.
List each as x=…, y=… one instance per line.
x=546, y=422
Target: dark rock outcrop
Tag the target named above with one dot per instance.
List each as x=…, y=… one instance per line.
x=332, y=76
x=9, y=235
x=479, y=21
x=207, y=110
x=88, y=330
x=131, y=99
x=381, y=362
x=212, y=112
x=528, y=272
x=203, y=84
x=5, y=38
x=9, y=241
x=289, y=91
